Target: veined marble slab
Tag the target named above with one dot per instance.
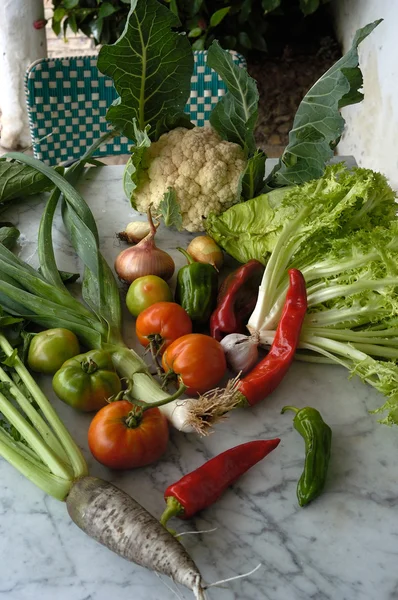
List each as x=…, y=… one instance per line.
x=343, y=546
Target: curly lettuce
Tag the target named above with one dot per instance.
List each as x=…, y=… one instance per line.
x=341, y=232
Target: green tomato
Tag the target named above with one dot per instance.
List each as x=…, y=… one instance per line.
x=49, y=350
x=87, y=381
x=145, y=291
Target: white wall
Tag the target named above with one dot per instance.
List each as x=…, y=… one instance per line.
x=371, y=133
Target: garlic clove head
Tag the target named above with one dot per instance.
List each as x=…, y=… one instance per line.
x=241, y=351
x=135, y=232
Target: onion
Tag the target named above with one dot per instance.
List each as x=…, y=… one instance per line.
x=135, y=232
x=144, y=259
x=204, y=249
x=240, y=351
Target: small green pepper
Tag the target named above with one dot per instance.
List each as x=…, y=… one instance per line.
x=318, y=439
x=87, y=381
x=196, y=290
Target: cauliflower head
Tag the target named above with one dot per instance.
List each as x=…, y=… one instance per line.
x=202, y=168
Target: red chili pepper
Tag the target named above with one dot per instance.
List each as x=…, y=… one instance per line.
x=205, y=485
x=236, y=300
x=269, y=372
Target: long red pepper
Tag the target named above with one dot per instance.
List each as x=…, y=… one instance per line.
x=236, y=300
x=269, y=372
x=204, y=486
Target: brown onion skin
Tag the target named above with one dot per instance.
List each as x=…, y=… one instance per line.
x=197, y=247
x=144, y=259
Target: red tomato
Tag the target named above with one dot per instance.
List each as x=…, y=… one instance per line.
x=197, y=360
x=161, y=324
x=117, y=445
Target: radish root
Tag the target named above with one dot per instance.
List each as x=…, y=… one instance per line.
x=213, y=406
x=114, y=519
x=218, y=583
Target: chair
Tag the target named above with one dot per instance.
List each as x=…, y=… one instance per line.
x=67, y=99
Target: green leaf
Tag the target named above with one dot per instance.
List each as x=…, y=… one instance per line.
x=106, y=9
x=68, y=277
x=56, y=27
x=318, y=124
x=235, y=115
x=72, y=23
x=251, y=182
x=58, y=14
x=218, y=16
x=244, y=40
x=169, y=122
x=199, y=44
x=174, y=7
x=169, y=210
x=48, y=266
x=96, y=26
x=258, y=41
x=48, y=314
x=5, y=321
x=19, y=274
x=83, y=232
x=151, y=67
x=133, y=167
x=192, y=7
x=229, y=41
x=195, y=32
x=309, y=6
x=270, y=5
x=18, y=180
x=70, y=3
x=245, y=11
x=10, y=360
x=83, y=13
x=9, y=236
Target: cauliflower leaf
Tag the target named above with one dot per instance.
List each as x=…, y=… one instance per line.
x=151, y=68
x=318, y=124
x=169, y=210
x=235, y=115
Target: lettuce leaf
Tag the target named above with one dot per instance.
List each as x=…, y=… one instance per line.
x=339, y=202
x=151, y=67
x=318, y=124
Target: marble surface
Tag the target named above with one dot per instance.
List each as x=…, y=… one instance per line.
x=341, y=547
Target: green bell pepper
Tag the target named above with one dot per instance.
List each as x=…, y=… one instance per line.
x=87, y=381
x=196, y=290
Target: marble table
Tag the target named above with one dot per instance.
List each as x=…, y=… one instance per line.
x=344, y=546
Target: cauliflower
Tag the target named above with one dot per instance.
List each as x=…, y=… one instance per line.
x=202, y=168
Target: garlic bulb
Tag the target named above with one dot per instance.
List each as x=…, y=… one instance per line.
x=240, y=351
x=135, y=232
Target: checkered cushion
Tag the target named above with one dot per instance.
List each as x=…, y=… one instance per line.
x=67, y=100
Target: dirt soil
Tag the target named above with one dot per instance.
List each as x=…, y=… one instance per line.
x=282, y=83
